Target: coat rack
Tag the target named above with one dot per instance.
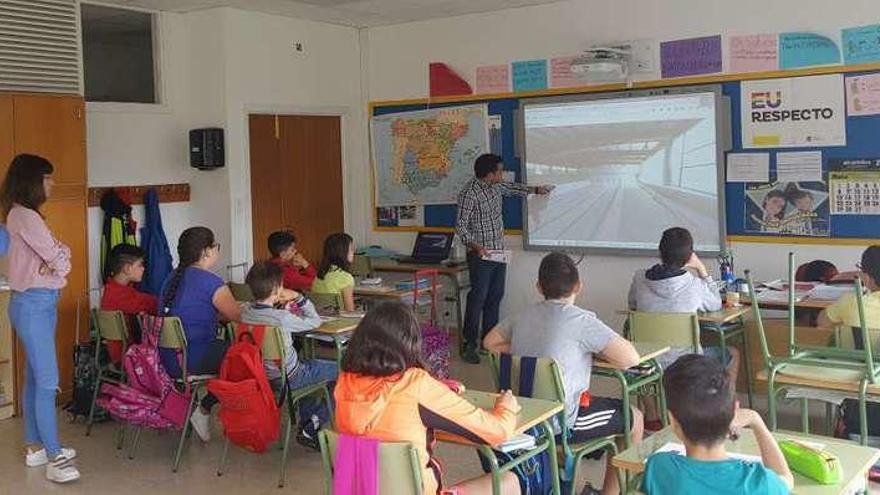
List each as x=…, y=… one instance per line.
x=168, y=193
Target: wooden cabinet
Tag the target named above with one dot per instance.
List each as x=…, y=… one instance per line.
x=54, y=127
x=7, y=146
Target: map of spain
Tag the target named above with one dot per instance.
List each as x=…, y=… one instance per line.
x=427, y=156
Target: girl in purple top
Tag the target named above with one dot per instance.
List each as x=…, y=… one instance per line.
x=200, y=299
x=38, y=267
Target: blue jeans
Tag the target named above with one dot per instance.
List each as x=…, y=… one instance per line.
x=484, y=298
x=34, y=315
x=309, y=372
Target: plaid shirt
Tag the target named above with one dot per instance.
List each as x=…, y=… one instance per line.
x=479, y=212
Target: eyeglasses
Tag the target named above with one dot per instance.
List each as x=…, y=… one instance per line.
x=859, y=266
x=216, y=246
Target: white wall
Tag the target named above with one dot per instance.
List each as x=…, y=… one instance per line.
x=399, y=55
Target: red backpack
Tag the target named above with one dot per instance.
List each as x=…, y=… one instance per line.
x=248, y=410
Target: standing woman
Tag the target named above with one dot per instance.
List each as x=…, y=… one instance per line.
x=38, y=267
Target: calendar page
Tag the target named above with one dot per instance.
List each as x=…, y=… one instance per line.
x=854, y=187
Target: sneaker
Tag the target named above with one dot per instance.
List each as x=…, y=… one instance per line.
x=61, y=470
x=40, y=458
x=308, y=440
x=201, y=423
x=470, y=356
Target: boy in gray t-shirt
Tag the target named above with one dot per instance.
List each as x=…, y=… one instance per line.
x=555, y=328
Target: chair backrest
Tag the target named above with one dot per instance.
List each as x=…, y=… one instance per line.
x=399, y=471
x=362, y=266
x=326, y=303
x=547, y=378
x=172, y=335
x=110, y=325
x=241, y=292
x=675, y=329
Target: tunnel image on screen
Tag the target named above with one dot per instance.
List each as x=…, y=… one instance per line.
x=625, y=169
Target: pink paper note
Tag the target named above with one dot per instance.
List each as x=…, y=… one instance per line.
x=561, y=75
x=753, y=53
x=493, y=79
x=863, y=95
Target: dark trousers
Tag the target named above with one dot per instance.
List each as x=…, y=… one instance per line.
x=484, y=298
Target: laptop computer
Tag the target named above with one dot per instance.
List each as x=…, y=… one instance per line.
x=430, y=248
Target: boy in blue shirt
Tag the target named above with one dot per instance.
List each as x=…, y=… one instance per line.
x=703, y=412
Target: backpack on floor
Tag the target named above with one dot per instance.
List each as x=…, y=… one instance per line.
x=435, y=350
x=85, y=377
x=248, y=411
x=850, y=414
x=536, y=474
x=150, y=398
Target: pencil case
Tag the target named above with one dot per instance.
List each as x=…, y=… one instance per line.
x=815, y=464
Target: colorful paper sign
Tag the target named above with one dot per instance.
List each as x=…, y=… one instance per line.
x=793, y=112
x=561, y=75
x=861, y=44
x=753, y=53
x=529, y=75
x=690, y=57
x=493, y=79
x=788, y=208
x=863, y=95
x=806, y=49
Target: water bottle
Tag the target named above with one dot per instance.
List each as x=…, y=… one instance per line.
x=725, y=261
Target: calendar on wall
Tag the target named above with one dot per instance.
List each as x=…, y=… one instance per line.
x=854, y=186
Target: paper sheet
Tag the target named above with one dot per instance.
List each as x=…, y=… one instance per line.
x=498, y=255
x=799, y=166
x=748, y=167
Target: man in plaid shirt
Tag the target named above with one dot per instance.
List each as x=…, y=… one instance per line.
x=481, y=228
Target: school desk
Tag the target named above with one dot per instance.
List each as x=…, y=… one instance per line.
x=855, y=459
x=335, y=330
x=534, y=412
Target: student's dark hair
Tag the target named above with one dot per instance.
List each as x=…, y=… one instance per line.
x=192, y=244
x=279, y=241
x=698, y=394
x=121, y=256
x=558, y=276
x=335, y=253
x=676, y=247
x=871, y=262
x=263, y=278
x=816, y=271
x=485, y=164
x=23, y=184
x=386, y=342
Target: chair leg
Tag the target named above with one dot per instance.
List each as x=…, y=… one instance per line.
x=863, y=412
x=829, y=419
x=223, y=458
x=747, y=366
x=329, y=402
x=771, y=398
x=134, y=443
x=805, y=416
x=281, y=476
x=91, y=418
x=664, y=416
x=183, y=432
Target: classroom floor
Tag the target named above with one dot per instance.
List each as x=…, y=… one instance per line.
x=107, y=471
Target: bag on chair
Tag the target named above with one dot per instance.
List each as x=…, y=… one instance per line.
x=248, y=412
x=435, y=350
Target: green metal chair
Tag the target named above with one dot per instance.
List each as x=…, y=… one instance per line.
x=110, y=326
x=548, y=385
x=823, y=368
x=241, y=292
x=399, y=471
x=362, y=266
x=273, y=348
x=326, y=304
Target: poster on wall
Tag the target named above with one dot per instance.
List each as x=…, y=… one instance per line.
x=793, y=112
x=788, y=208
x=854, y=186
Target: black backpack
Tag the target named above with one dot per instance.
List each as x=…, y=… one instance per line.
x=85, y=377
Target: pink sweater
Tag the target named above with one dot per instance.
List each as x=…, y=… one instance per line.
x=36, y=259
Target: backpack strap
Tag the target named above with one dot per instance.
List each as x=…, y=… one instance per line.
x=526, y=375
x=150, y=327
x=505, y=365
x=255, y=333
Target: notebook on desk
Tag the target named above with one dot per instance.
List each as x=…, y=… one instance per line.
x=430, y=248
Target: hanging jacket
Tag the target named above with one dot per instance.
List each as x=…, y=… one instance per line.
x=118, y=225
x=158, y=256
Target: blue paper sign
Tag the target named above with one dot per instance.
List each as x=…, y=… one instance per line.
x=806, y=49
x=529, y=75
x=861, y=44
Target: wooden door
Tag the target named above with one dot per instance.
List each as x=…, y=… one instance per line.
x=311, y=160
x=53, y=127
x=7, y=126
x=266, y=185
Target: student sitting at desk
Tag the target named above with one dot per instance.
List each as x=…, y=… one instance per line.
x=703, y=413
x=334, y=274
x=298, y=272
x=385, y=393
x=125, y=267
x=680, y=283
x=845, y=311
x=265, y=281
x=569, y=335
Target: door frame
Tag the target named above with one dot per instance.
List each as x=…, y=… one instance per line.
x=345, y=118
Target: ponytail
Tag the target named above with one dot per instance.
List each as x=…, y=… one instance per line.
x=190, y=248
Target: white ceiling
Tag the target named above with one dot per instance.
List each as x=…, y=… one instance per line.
x=360, y=13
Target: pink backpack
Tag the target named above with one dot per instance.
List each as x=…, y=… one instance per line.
x=435, y=350
x=150, y=398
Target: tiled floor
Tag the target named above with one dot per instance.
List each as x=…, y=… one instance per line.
x=107, y=471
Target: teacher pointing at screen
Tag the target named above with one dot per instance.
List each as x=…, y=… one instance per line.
x=481, y=229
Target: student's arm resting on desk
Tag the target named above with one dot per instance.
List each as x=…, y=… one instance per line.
x=620, y=353
x=770, y=454
x=226, y=304
x=309, y=320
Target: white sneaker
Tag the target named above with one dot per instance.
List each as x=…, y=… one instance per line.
x=201, y=423
x=61, y=470
x=40, y=458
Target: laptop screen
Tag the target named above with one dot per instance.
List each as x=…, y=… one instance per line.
x=432, y=245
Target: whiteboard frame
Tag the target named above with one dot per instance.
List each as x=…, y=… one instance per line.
x=722, y=144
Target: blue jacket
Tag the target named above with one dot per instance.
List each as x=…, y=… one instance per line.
x=154, y=243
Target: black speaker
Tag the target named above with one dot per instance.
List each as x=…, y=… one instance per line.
x=206, y=148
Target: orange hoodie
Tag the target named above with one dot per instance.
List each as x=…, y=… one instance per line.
x=408, y=407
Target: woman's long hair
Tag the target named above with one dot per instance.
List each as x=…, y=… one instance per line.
x=192, y=244
x=386, y=342
x=336, y=248
x=23, y=184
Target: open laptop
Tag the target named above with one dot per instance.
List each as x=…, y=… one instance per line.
x=430, y=248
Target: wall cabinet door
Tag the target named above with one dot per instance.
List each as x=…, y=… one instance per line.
x=53, y=127
x=7, y=126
